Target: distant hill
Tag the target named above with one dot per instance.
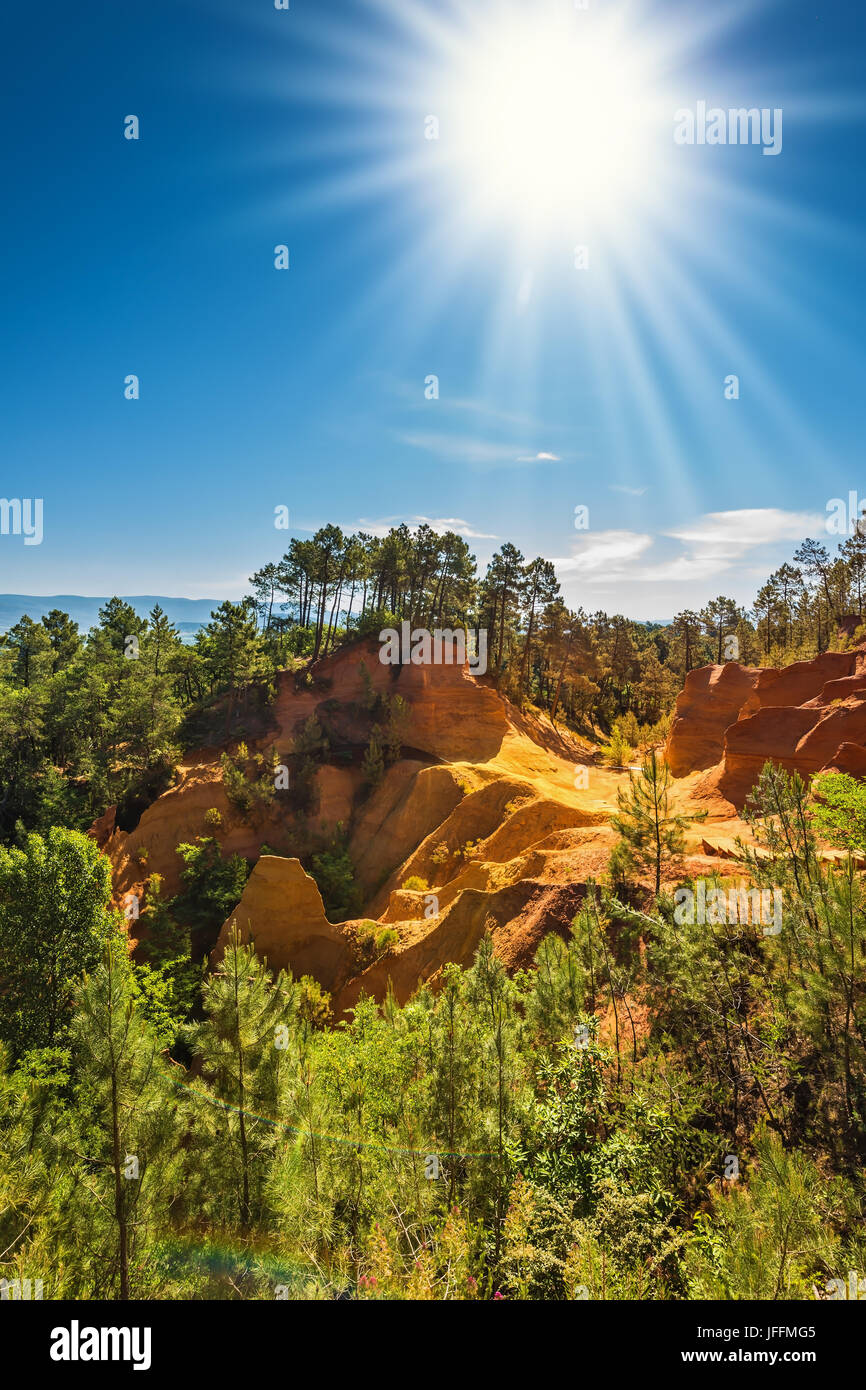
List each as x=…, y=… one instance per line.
x=188, y=614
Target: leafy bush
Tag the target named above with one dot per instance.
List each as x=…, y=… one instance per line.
x=310, y=748
x=372, y=942
x=618, y=751
x=839, y=810
x=249, y=781
x=371, y=623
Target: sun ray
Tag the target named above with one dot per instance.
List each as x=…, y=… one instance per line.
x=554, y=128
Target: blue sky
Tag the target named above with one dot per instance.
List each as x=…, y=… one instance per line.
x=558, y=387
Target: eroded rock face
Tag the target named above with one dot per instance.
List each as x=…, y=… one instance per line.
x=807, y=717
x=483, y=819
x=805, y=739
x=454, y=936
x=709, y=703
x=282, y=914
x=801, y=682
x=104, y=827
x=408, y=806
x=452, y=716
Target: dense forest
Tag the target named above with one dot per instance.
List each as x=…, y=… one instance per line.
x=657, y=1109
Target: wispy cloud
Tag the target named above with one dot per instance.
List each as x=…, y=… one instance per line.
x=412, y=393
x=605, y=553
x=380, y=526
x=455, y=523
x=489, y=412
x=743, y=529
x=717, y=552
x=629, y=491
x=474, y=452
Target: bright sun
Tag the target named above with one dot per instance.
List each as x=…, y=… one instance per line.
x=552, y=127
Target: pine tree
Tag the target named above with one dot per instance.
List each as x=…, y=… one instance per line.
x=241, y=1046
x=121, y=1129
x=686, y=629
x=54, y=920
x=63, y=638
x=646, y=825
x=492, y=997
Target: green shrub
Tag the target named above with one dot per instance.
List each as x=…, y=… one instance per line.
x=839, y=810
x=334, y=873
x=249, y=782
x=372, y=942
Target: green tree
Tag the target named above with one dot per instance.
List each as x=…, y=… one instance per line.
x=212, y=888
x=646, y=824
x=541, y=587
x=118, y=622
x=687, y=633
x=239, y=1043
x=771, y=1238
x=30, y=644
x=501, y=599
x=334, y=873
x=55, y=918
x=121, y=1130
x=720, y=618
x=839, y=810
x=63, y=637
x=231, y=652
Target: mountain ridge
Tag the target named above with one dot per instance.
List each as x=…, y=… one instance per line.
x=187, y=613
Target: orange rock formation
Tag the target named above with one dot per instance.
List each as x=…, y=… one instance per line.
x=484, y=808
x=806, y=717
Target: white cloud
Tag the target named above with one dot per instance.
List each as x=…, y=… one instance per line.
x=459, y=448
x=749, y=527
x=629, y=491
x=455, y=523
x=649, y=574
x=412, y=394
x=372, y=528
x=506, y=417
x=605, y=553
x=380, y=526
x=468, y=449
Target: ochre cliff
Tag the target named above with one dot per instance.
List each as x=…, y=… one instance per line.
x=480, y=825
x=806, y=717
